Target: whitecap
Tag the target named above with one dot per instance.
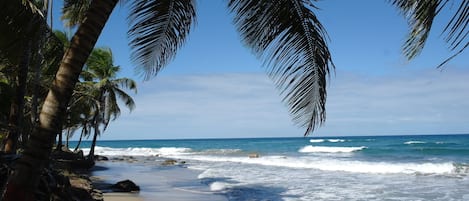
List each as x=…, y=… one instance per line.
x=316, y=140
x=414, y=142
x=323, y=149
x=336, y=140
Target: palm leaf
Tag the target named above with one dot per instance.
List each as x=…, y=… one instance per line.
x=126, y=83
x=74, y=12
x=158, y=28
x=292, y=42
x=123, y=96
x=20, y=23
x=420, y=15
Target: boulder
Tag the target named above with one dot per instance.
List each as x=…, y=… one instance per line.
x=125, y=186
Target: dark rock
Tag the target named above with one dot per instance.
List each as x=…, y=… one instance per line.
x=125, y=186
x=100, y=158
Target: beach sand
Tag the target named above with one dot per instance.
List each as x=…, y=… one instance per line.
x=157, y=183
x=122, y=197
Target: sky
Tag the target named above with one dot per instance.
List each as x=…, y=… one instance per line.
x=216, y=88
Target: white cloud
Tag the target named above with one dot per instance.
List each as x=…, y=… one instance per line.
x=247, y=105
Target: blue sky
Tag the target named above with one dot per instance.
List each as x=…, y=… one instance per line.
x=216, y=88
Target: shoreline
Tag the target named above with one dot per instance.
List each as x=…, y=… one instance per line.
x=157, y=182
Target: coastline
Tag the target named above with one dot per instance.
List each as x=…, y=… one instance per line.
x=156, y=181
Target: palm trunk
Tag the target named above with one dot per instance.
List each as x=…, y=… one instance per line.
x=67, y=140
x=79, y=142
x=93, y=143
x=25, y=178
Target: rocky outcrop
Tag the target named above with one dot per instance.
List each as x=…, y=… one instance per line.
x=125, y=186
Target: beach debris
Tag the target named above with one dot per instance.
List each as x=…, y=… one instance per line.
x=254, y=155
x=125, y=186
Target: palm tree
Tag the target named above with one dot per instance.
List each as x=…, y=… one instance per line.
x=420, y=15
x=285, y=33
x=81, y=108
x=109, y=88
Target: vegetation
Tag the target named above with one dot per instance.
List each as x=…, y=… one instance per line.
x=78, y=88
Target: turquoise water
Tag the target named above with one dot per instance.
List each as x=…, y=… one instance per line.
x=432, y=167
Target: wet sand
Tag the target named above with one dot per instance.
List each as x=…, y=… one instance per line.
x=157, y=183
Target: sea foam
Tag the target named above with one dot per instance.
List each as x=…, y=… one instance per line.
x=414, y=142
x=140, y=151
x=336, y=140
x=316, y=140
x=325, y=164
x=324, y=140
x=322, y=149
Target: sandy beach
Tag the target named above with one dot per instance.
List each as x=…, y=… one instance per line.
x=122, y=197
x=161, y=183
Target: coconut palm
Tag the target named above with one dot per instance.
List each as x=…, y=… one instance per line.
x=109, y=89
x=285, y=33
x=82, y=105
x=420, y=15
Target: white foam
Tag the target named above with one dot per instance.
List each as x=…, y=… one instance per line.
x=140, y=151
x=218, y=186
x=316, y=140
x=323, y=149
x=221, y=151
x=334, y=165
x=336, y=140
x=323, y=140
x=414, y=142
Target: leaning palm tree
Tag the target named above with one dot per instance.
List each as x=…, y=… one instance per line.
x=109, y=88
x=420, y=15
x=285, y=33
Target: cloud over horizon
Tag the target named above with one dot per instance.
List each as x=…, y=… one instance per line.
x=248, y=105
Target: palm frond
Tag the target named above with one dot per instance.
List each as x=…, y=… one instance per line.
x=158, y=28
x=21, y=22
x=420, y=15
x=287, y=35
x=123, y=96
x=74, y=12
x=457, y=27
x=101, y=64
x=126, y=83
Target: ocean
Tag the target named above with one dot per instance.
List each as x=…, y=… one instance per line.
x=424, y=167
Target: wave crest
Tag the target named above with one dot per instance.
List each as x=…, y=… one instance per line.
x=140, y=151
x=323, y=149
x=324, y=140
x=414, y=142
